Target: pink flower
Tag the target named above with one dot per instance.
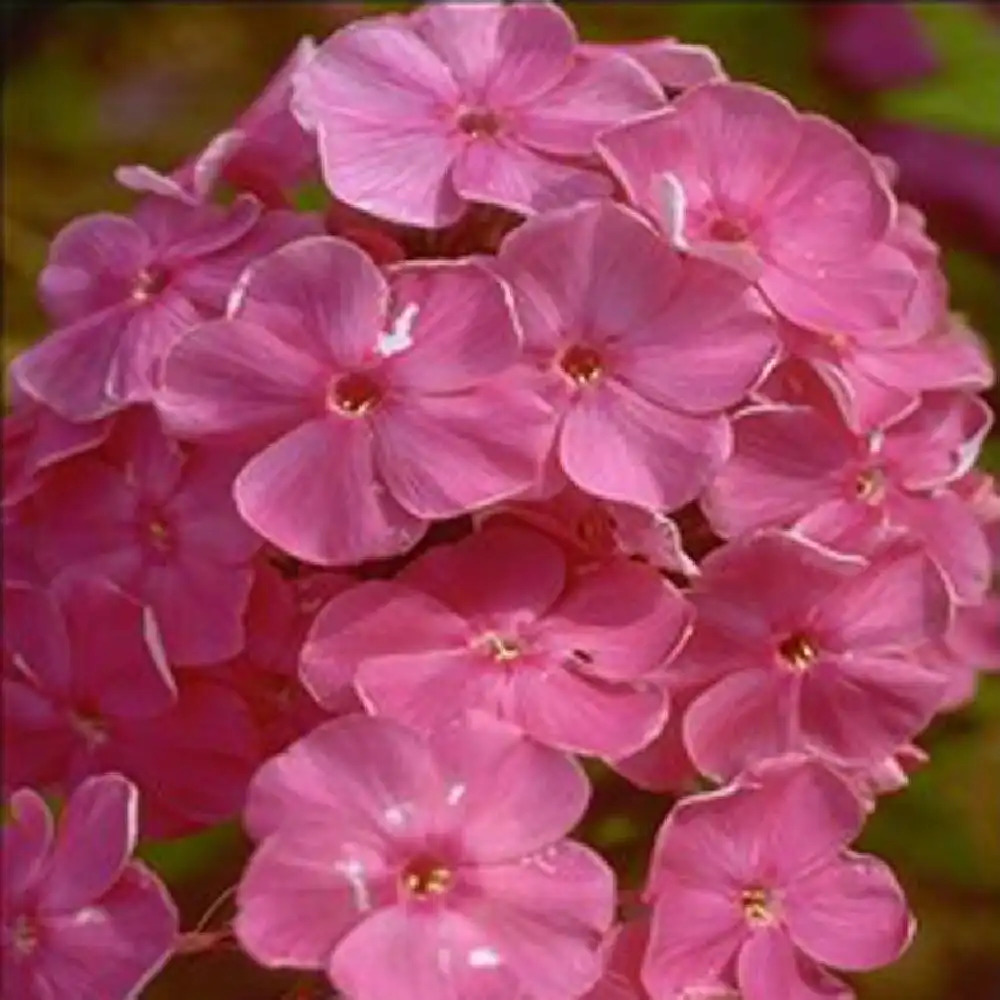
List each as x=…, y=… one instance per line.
x=497, y=622
x=160, y=523
x=418, y=116
x=796, y=466
x=379, y=404
x=639, y=350
x=86, y=690
x=122, y=290
x=80, y=918
x=734, y=172
x=756, y=878
x=803, y=649
x=418, y=868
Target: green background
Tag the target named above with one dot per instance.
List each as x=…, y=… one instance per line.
x=95, y=85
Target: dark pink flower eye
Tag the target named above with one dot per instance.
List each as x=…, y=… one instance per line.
x=582, y=364
x=354, y=395
x=425, y=877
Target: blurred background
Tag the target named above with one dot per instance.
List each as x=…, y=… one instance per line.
x=89, y=86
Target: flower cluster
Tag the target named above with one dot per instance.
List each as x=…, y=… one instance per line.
x=610, y=409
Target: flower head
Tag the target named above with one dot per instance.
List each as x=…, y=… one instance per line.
x=418, y=116
x=756, y=877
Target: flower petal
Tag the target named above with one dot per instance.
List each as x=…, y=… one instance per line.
x=417, y=954
x=625, y=619
x=68, y=370
x=26, y=838
x=322, y=296
x=506, y=795
x=596, y=93
x=850, y=914
x=111, y=949
x=769, y=968
x=864, y=707
x=463, y=329
x=547, y=914
x=357, y=774
x=695, y=934
x=369, y=623
x=527, y=573
x=333, y=519
x=98, y=830
x=232, y=381
x=897, y=601
x=444, y=455
x=617, y=445
x=302, y=892
x=93, y=264
x=564, y=708
x=497, y=171
x=743, y=718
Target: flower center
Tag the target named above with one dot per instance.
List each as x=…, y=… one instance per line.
x=91, y=727
x=582, y=364
x=798, y=651
x=159, y=534
x=870, y=486
x=149, y=282
x=727, y=230
x=595, y=530
x=353, y=395
x=479, y=122
x=24, y=935
x=757, y=907
x=501, y=648
x=426, y=877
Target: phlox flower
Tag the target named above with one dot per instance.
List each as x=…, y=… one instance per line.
x=420, y=868
x=86, y=690
x=159, y=522
x=498, y=622
x=754, y=882
x=803, y=649
x=639, y=350
x=415, y=117
x=799, y=466
x=376, y=402
x=80, y=918
x=734, y=172
x=120, y=290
